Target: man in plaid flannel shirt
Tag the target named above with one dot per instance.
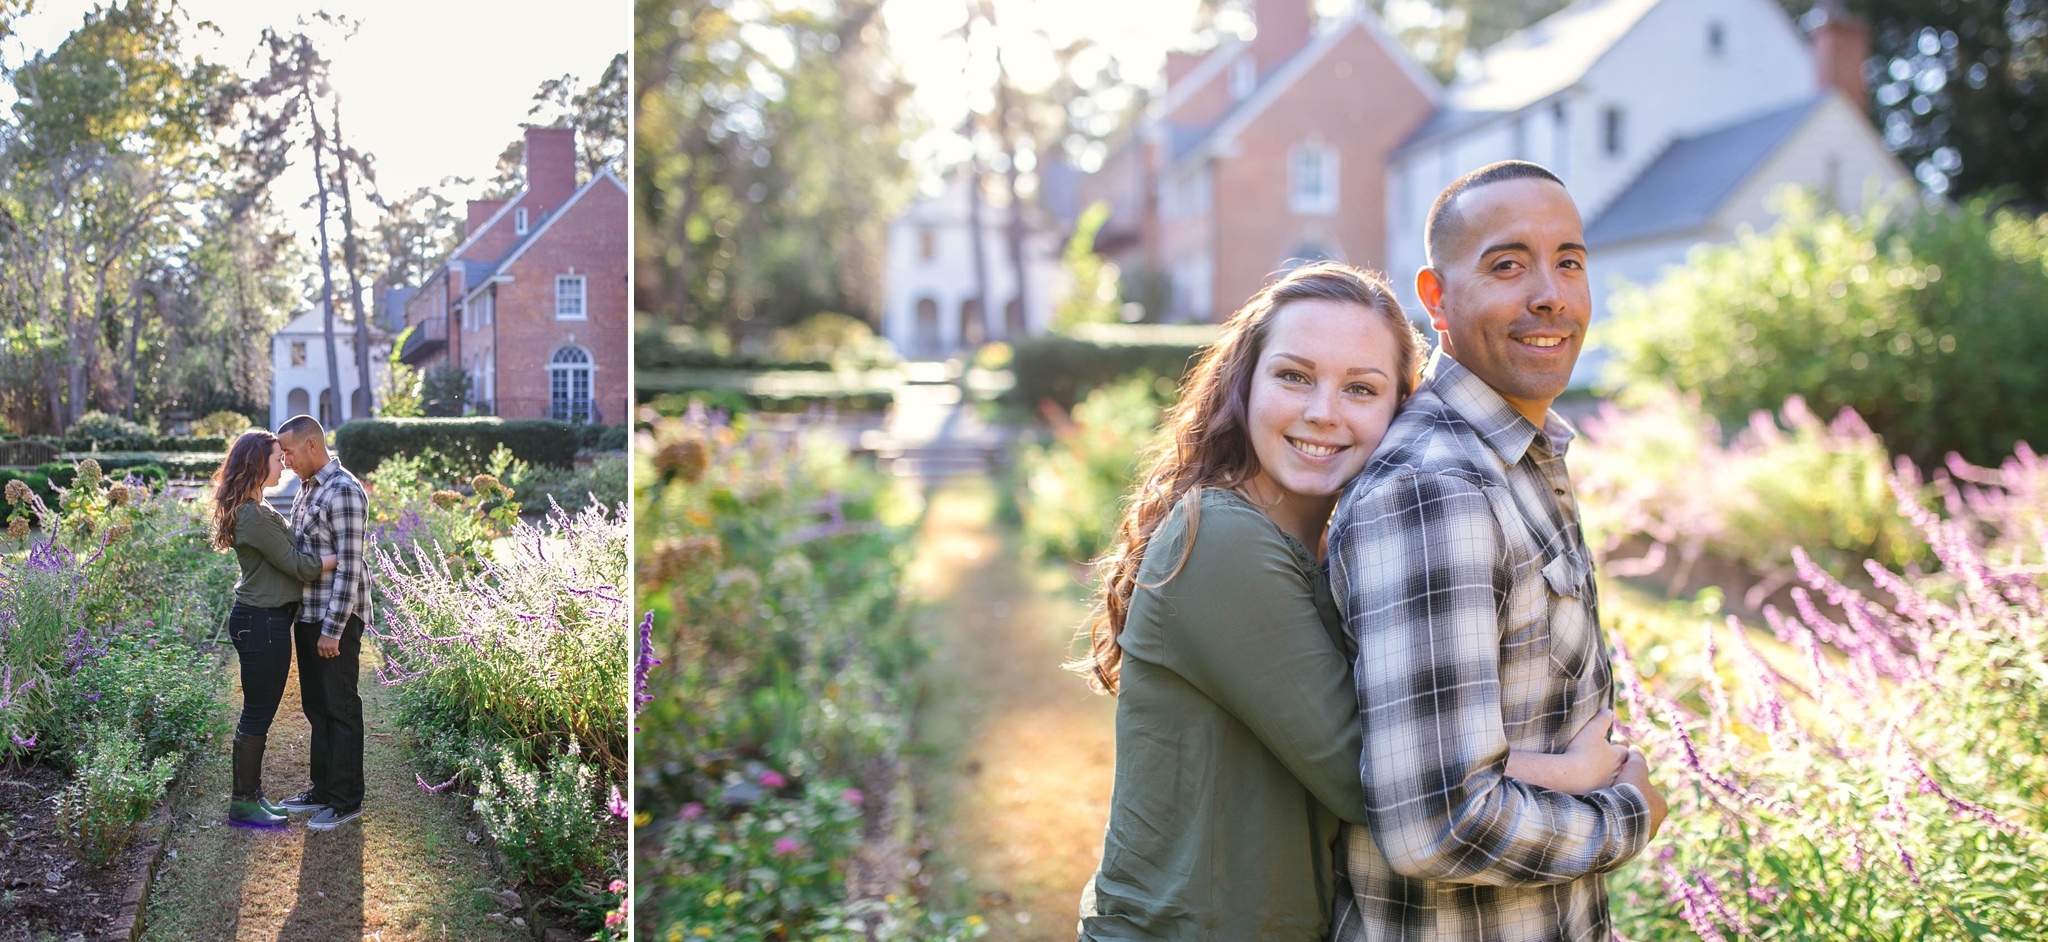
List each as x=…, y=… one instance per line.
x=329, y=517
x=1457, y=559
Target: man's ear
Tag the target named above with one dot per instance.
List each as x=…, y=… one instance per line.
x=1429, y=286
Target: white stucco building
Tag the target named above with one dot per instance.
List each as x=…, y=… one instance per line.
x=1672, y=122
x=298, y=369
x=929, y=305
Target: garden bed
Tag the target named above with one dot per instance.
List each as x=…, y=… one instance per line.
x=43, y=888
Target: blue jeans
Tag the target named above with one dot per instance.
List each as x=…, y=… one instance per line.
x=263, y=642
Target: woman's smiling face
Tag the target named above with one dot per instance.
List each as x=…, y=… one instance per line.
x=1322, y=396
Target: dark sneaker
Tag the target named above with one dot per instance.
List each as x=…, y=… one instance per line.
x=302, y=803
x=330, y=818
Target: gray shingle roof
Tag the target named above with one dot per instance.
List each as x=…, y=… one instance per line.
x=1682, y=188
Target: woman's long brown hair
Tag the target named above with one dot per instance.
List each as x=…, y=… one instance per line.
x=1204, y=441
x=246, y=468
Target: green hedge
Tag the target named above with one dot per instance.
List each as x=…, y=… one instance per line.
x=155, y=467
x=662, y=356
x=365, y=443
x=1066, y=368
x=206, y=443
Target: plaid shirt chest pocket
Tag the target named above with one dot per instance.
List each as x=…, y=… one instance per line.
x=1574, y=637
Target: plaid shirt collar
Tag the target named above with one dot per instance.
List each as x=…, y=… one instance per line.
x=1508, y=432
x=327, y=471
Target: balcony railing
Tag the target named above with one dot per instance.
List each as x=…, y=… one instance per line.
x=428, y=337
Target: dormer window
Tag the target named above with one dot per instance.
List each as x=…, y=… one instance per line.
x=519, y=220
x=1244, y=77
x=1717, y=40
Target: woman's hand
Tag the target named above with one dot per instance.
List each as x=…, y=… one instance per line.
x=1588, y=763
x=327, y=564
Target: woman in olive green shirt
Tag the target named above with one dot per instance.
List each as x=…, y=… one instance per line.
x=1237, y=729
x=274, y=574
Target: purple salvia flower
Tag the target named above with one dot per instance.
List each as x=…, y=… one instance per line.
x=617, y=805
x=435, y=789
x=644, y=661
x=24, y=744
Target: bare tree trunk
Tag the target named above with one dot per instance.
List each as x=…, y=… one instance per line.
x=76, y=339
x=326, y=266
x=351, y=265
x=1003, y=96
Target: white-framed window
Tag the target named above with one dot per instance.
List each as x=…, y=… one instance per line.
x=569, y=298
x=298, y=354
x=519, y=221
x=569, y=385
x=1244, y=77
x=1312, y=179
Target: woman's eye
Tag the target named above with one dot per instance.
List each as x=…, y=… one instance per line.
x=1360, y=389
x=1293, y=376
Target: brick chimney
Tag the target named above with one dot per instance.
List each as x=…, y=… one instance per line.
x=1284, y=27
x=1841, y=43
x=480, y=212
x=550, y=169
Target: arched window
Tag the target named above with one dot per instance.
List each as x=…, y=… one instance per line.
x=326, y=415
x=927, y=337
x=1013, y=319
x=569, y=385
x=298, y=402
x=359, y=404
x=973, y=327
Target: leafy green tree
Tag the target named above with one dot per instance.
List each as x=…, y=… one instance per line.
x=598, y=113
x=1961, y=92
x=444, y=390
x=1926, y=321
x=767, y=161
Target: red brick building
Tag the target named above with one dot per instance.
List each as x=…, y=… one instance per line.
x=532, y=304
x=1262, y=153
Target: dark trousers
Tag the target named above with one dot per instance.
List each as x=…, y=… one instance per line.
x=327, y=687
x=263, y=642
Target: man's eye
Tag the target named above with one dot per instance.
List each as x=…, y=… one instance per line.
x=1506, y=264
x=1572, y=263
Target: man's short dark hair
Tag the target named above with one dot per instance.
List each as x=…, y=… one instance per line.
x=1446, y=225
x=299, y=426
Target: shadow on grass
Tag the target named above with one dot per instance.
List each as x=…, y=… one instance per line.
x=330, y=904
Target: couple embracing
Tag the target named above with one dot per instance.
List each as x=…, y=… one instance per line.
x=1362, y=689
x=303, y=587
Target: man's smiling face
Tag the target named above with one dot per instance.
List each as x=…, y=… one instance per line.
x=1509, y=295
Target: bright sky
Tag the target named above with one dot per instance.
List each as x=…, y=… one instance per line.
x=949, y=78
x=433, y=88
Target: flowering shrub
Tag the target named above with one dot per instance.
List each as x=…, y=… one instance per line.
x=1660, y=472
x=546, y=826
x=1884, y=781
x=772, y=681
x=113, y=567
x=113, y=793
x=1071, y=487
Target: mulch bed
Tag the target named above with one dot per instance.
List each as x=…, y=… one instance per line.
x=45, y=893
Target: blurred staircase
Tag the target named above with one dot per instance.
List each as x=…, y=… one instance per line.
x=933, y=433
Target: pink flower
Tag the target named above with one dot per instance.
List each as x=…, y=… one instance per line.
x=614, y=918
x=617, y=805
x=691, y=811
x=852, y=796
x=772, y=779
x=785, y=846
x=618, y=886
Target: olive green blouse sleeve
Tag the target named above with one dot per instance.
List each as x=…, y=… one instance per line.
x=264, y=531
x=1250, y=638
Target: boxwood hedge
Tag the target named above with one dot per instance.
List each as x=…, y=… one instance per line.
x=469, y=441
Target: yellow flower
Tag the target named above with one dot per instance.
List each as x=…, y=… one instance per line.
x=974, y=920
x=675, y=935
x=703, y=931
x=890, y=899
x=640, y=820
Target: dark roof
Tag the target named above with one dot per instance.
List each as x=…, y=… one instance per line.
x=1444, y=123
x=1181, y=138
x=1684, y=185
x=476, y=273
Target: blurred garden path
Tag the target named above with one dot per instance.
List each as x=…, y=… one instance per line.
x=1014, y=787
x=402, y=872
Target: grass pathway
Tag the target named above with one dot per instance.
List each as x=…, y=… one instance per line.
x=1015, y=785
x=403, y=871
